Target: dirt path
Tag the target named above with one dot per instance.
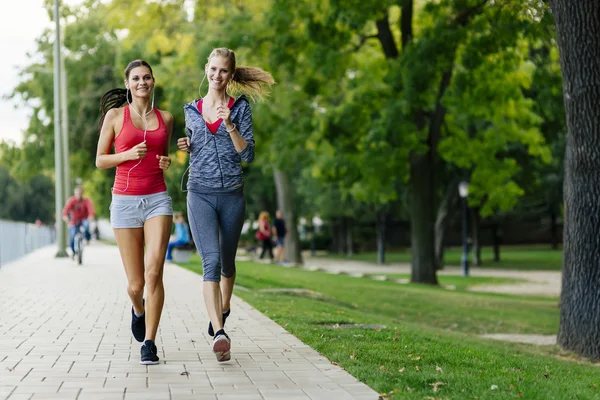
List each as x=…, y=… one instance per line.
x=540, y=283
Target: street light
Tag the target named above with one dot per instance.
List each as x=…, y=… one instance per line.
x=463, y=191
x=58, y=143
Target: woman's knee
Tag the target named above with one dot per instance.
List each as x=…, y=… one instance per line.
x=211, y=266
x=153, y=274
x=153, y=279
x=136, y=286
x=228, y=271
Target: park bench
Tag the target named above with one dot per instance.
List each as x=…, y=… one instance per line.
x=183, y=253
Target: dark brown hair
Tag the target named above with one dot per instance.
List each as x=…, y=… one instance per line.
x=117, y=97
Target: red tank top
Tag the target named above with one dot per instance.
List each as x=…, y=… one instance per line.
x=137, y=178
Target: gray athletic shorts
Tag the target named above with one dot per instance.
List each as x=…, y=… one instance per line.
x=133, y=211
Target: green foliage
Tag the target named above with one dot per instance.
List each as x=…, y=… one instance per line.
x=28, y=200
x=345, y=117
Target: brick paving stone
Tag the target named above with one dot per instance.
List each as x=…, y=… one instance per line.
x=71, y=340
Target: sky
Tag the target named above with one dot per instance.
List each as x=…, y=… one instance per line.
x=20, y=25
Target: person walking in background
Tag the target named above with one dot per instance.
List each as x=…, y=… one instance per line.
x=78, y=211
x=219, y=136
x=263, y=234
x=182, y=235
x=141, y=211
x=279, y=232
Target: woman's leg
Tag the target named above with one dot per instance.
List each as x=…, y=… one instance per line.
x=169, y=250
x=231, y=213
x=264, y=249
x=204, y=224
x=157, y=231
x=131, y=247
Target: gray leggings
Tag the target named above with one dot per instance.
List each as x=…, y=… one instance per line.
x=216, y=221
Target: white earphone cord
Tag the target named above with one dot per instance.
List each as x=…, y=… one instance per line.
x=189, y=166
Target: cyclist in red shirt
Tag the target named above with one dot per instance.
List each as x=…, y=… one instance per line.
x=77, y=211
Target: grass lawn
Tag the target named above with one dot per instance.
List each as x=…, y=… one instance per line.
x=511, y=257
x=429, y=347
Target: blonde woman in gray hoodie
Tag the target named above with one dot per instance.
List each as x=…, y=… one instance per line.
x=219, y=137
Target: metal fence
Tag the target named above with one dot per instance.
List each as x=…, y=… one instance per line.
x=18, y=239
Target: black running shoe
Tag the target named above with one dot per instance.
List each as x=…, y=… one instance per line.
x=149, y=351
x=211, y=331
x=138, y=325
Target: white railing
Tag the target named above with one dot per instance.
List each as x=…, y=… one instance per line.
x=20, y=238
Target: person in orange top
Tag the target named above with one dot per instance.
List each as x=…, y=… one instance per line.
x=77, y=211
x=141, y=212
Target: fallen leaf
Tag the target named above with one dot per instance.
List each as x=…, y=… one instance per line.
x=334, y=363
x=401, y=369
x=184, y=373
x=494, y=387
x=340, y=312
x=436, y=385
x=438, y=369
x=409, y=389
x=413, y=357
x=383, y=368
x=520, y=395
x=352, y=357
x=417, y=368
x=547, y=375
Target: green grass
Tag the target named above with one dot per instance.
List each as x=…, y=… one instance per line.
x=462, y=283
x=425, y=327
x=511, y=257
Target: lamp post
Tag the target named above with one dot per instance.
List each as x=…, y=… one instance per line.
x=463, y=191
x=61, y=237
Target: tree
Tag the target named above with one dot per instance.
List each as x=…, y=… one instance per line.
x=577, y=23
x=28, y=200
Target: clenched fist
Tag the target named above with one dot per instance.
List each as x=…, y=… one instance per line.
x=164, y=162
x=138, y=151
x=183, y=144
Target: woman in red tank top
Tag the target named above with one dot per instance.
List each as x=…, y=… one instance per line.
x=141, y=211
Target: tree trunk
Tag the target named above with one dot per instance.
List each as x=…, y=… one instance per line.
x=444, y=218
x=577, y=25
x=496, y=238
x=422, y=220
x=554, y=229
x=334, y=235
x=476, y=244
x=349, y=247
x=286, y=205
x=381, y=219
x=340, y=236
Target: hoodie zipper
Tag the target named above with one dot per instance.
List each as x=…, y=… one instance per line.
x=194, y=105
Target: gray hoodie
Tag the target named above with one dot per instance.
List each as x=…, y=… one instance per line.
x=214, y=162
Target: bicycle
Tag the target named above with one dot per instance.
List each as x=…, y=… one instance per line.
x=78, y=242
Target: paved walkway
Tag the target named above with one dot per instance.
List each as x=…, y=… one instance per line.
x=64, y=334
x=540, y=283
